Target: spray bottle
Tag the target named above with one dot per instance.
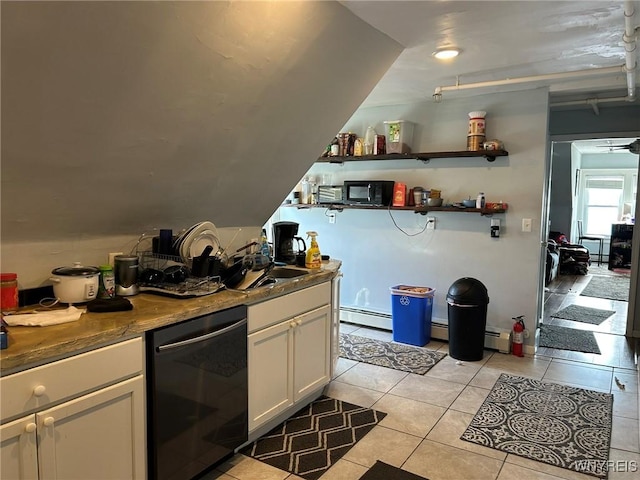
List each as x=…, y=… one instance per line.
x=314, y=258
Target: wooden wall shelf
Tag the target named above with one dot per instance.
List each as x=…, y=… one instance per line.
x=423, y=209
x=489, y=155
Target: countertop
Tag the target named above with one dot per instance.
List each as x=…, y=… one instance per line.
x=32, y=346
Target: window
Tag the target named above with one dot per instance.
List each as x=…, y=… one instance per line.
x=604, y=194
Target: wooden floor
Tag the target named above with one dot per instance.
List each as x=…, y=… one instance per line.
x=616, y=349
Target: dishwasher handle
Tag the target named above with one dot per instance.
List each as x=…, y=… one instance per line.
x=202, y=338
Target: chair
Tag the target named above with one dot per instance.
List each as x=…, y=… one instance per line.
x=553, y=262
x=593, y=238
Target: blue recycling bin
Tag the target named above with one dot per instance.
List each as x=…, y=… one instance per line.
x=411, y=314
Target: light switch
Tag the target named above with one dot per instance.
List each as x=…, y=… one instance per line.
x=526, y=225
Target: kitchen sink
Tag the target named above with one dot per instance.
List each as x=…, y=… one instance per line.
x=285, y=272
x=278, y=274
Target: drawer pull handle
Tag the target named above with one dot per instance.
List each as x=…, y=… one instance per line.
x=47, y=422
x=39, y=390
x=30, y=427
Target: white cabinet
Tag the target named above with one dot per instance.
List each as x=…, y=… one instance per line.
x=289, y=351
x=18, y=450
x=96, y=432
x=335, y=322
x=311, y=351
x=270, y=361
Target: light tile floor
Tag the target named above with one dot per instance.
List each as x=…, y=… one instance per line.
x=426, y=414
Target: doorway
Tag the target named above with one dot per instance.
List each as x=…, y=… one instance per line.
x=591, y=180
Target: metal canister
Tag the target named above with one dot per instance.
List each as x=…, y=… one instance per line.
x=476, y=135
x=475, y=142
x=477, y=123
x=107, y=283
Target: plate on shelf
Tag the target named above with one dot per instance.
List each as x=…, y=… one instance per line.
x=197, y=238
x=181, y=237
x=202, y=241
x=177, y=243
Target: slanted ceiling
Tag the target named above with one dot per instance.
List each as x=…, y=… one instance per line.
x=120, y=117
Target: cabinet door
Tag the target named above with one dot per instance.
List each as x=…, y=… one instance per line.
x=335, y=323
x=99, y=435
x=18, y=450
x=312, y=351
x=270, y=356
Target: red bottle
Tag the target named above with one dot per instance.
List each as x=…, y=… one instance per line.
x=8, y=292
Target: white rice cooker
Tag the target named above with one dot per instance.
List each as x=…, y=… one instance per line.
x=76, y=284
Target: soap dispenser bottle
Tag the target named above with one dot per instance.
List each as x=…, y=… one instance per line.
x=264, y=244
x=314, y=258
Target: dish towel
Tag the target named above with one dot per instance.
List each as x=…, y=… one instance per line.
x=44, y=319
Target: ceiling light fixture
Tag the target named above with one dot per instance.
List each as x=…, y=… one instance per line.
x=446, y=53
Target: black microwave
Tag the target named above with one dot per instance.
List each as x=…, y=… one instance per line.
x=368, y=192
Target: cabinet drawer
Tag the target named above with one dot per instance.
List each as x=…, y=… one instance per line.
x=273, y=311
x=40, y=386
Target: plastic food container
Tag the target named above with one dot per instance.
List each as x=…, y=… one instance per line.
x=399, y=135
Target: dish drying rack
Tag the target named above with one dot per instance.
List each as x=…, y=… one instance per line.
x=191, y=287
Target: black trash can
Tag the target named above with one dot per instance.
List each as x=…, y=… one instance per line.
x=467, y=301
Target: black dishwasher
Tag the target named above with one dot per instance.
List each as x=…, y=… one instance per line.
x=196, y=393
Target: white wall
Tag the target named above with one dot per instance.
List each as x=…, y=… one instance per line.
x=376, y=255
x=119, y=118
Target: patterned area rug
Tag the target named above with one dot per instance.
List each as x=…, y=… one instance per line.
x=578, y=313
x=398, y=356
x=564, y=338
x=315, y=438
x=613, y=287
x=384, y=471
x=567, y=427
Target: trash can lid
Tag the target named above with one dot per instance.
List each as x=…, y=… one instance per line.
x=468, y=291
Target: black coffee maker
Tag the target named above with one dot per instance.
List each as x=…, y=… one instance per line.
x=284, y=238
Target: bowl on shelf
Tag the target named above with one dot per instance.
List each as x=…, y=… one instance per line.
x=434, y=202
x=469, y=203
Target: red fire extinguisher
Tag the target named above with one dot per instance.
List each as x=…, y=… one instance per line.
x=518, y=336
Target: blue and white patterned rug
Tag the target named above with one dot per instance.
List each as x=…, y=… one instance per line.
x=405, y=358
x=564, y=426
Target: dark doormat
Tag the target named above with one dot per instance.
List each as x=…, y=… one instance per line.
x=564, y=338
x=384, y=471
x=315, y=438
x=614, y=287
x=578, y=313
x=405, y=358
x=568, y=427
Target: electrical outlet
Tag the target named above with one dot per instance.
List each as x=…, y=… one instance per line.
x=431, y=223
x=526, y=225
x=112, y=258
x=332, y=218
x=495, y=228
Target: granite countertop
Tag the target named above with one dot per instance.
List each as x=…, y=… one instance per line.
x=32, y=346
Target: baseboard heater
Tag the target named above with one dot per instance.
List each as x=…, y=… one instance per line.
x=494, y=338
